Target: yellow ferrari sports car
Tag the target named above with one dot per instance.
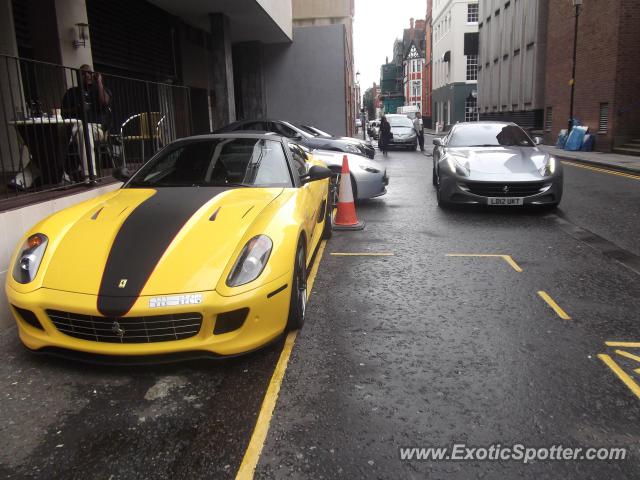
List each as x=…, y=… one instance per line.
x=203, y=252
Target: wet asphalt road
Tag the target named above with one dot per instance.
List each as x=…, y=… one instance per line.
x=421, y=349
x=414, y=349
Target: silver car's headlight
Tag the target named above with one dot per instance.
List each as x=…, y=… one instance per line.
x=251, y=261
x=549, y=168
x=29, y=258
x=351, y=148
x=456, y=167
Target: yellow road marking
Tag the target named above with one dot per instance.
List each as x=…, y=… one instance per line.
x=254, y=449
x=362, y=254
x=637, y=370
x=628, y=355
x=623, y=344
x=506, y=258
x=628, y=381
x=602, y=170
x=561, y=313
x=311, y=278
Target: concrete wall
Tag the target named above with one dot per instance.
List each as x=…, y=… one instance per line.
x=15, y=223
x=321, y=8
x=68, y=13
x=280, y=12
x=512, y=55
x=305, y=81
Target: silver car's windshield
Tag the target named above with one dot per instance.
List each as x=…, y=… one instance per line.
x=401, y=121
x=489, y=135
x=249, y=162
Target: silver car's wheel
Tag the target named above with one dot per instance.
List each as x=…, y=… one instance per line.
x=441, y=202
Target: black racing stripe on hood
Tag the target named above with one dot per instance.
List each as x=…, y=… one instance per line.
x=142, y=240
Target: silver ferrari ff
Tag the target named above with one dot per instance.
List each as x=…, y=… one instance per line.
x=494, y=163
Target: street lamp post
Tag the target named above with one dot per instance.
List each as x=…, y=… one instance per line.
x=572, y=82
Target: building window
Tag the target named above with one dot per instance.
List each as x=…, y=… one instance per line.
x=471, y=109
x=472, y=67
x=472, y=13
x=603, y=124
x=548, y=120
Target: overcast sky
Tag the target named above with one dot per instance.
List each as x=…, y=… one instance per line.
x=377, y=23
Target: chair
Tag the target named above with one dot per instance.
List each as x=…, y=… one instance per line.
x=150, y=127
x=109, y=151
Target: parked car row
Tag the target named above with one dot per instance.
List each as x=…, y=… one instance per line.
x=317, y=140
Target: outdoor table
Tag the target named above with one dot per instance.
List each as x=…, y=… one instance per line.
x=48, y=139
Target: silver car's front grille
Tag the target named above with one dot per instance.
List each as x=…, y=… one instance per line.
x=151, y=329
x=505, y=189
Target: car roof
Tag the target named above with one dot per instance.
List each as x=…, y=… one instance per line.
x=236, y=134
x=485, y=122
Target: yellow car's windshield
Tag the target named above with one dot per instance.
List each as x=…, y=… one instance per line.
x=247, y=162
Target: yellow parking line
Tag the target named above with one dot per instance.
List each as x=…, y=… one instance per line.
x=622, y=353
x=623, y=344
x=628, y=381
x=561, y=313
x=506, y=258
x=254, y=449
x=602, y=170
x=362, y=254
x=511, y=261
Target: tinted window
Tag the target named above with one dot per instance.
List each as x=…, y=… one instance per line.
x=246, y=161
x=299, y=159
x=258, y=126
x=283, y=130
x=489, y=135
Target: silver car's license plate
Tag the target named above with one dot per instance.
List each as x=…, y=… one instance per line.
x=504, y=200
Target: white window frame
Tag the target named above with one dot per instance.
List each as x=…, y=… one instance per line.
x=472, y=68
x=471, y=15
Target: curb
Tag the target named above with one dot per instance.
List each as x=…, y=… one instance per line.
x=596, y=163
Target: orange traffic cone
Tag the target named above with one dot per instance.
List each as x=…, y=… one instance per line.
x=346, y=218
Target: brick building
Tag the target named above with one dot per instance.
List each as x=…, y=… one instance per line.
x=607, y=81
x=413, y=63
x=427, y=83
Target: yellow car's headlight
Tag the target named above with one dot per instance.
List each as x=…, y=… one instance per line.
x=29, y=258
x=251, y=262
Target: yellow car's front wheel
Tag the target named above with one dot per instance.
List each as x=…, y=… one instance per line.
x=298, y=303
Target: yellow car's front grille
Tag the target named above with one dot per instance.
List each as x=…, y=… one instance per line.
x=150, y=329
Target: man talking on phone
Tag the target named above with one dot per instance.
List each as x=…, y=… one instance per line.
x=95, y=99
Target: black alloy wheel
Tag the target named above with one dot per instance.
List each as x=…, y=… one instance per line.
x=298, y=302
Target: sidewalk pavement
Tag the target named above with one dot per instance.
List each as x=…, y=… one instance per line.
x=625, y=163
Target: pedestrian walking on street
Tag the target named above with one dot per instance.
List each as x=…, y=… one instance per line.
x=417, y=126
x=385, y=135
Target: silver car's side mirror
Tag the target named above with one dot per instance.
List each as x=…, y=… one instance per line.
x=537, y=140
x=437, y=141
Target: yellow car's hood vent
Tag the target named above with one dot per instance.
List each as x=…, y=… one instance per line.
x=154, y=242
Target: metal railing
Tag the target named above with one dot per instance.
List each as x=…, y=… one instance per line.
x=58, y=129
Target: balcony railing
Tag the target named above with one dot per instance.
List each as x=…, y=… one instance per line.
x=59, y=130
